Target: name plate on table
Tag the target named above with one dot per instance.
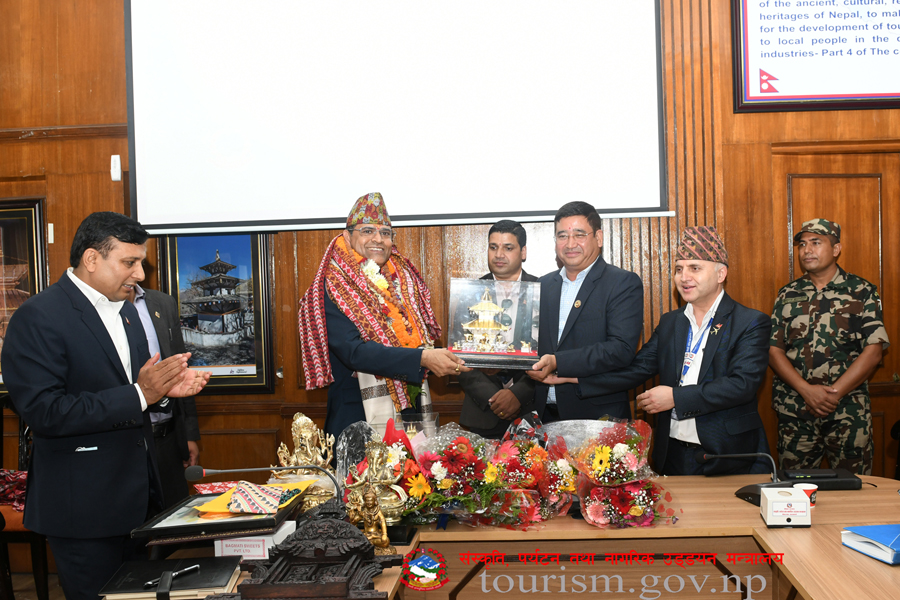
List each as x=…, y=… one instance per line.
x=494, y=324
x=785, y=507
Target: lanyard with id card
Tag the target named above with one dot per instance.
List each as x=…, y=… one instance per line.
x=689, y=353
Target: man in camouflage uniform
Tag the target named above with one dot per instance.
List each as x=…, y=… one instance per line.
x=827, y=338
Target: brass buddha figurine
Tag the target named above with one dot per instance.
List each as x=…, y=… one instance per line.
x=367, y=510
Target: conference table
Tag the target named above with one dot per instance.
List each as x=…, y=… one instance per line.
x=653, y=562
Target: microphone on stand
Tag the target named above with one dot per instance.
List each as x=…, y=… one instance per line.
x=751, y=493
x=196, y=473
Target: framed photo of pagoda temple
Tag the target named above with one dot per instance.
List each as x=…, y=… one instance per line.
x=23, y=262
x=494, y=324
x=221, y=283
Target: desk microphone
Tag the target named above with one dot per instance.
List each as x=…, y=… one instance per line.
x=751, y=493
x=196, y=473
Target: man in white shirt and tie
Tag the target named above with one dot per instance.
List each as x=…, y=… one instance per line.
x=79, y=373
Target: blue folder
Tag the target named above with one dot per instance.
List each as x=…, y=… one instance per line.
x=881, y=542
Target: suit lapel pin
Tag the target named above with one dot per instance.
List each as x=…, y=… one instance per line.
x=157, y=314
x=127, y=321
x=716, y=329
x=578, y=304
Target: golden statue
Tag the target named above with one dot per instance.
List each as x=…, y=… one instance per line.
x=378, y=474
x=367, y=510
x=311, y=447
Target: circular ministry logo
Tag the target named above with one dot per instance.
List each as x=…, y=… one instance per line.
x=424, y=570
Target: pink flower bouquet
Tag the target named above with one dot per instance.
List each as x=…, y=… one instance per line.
x=615, y=484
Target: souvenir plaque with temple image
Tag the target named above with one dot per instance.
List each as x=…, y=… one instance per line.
x=494, y=324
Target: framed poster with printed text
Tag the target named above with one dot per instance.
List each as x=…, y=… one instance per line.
x=792, y=55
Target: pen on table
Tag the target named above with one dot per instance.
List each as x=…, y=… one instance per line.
x=175, y=574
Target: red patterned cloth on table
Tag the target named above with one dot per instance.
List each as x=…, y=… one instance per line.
x=12, y=488
x=340, y=272
x=216, y=487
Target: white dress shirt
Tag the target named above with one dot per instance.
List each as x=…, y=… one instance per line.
x=109, y=314
x=686, y=430
x=509, y=290
x=567, y=295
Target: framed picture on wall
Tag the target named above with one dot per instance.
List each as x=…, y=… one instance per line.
x=23, y=263
x=221, y=283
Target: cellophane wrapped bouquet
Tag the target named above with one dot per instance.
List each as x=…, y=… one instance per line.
x=615, y=483
x=535, y=480
x=452, y=467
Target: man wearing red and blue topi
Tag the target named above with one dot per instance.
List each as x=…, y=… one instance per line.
x=711, y=357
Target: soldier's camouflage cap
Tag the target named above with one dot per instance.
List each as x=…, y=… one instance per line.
x=821, y=226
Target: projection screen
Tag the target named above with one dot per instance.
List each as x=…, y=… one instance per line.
x=278, y=114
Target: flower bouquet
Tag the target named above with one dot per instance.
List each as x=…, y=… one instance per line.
x=536, y=481
x=615, y=484
x=452, y=474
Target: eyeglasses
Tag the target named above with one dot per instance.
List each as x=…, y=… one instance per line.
x=563, y=236
x=368, y=232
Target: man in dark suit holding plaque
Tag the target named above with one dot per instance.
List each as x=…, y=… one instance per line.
x=592, y=314
x=495, y=397
x=79, y=373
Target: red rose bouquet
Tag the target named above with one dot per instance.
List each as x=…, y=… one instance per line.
x=535, y=480
x=452, y=468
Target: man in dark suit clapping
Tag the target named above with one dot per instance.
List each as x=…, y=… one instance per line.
x=79, y=372
x=174, y=420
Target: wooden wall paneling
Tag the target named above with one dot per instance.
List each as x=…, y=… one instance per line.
x=240, y=449
x=285, y=303
x=21, y=160
x=688, y=68
x=880, y=440
x=886, y=405
x=10, y=440
x=83, y=76
x=22, y=156
x=17, y=188
x=21, y=54
x=854, y=201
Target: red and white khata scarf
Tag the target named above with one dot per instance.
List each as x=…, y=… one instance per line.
x=367, y=307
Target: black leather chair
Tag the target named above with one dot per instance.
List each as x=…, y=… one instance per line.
x=895, y=433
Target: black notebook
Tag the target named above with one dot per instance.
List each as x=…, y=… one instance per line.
x=216, y=575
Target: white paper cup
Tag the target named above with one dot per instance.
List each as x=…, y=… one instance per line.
x=810, y=490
